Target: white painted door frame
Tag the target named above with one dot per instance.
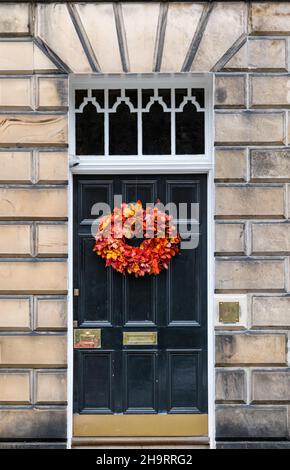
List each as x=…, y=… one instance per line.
x=147, y=165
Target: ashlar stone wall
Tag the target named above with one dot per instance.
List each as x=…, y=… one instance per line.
x=252, y=171
x=33, y=235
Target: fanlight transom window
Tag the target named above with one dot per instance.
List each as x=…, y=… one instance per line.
x=139, y=121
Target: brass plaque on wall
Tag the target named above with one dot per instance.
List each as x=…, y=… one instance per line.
x=229, y=312
x=139, y=338
x=84, y=338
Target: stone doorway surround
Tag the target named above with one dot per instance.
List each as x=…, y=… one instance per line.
x=245, y=45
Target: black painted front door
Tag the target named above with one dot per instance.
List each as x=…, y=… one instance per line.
x=170, y=377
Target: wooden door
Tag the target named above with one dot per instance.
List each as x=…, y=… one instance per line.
x=158, y=389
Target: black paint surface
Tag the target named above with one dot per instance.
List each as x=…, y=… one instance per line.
x=172, y=376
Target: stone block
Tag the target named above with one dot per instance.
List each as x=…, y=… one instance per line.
x=33, y=277
x=55, y=27
x=52, y=93
x=33, y=424
x=51, y=240
x=270, y=18
x=253, y=422
x=15, y=93
x=231, y=386
x=104, y=38
x=52, y=167
x=260, y=55
x=271, y=386
x=23, y=57
x=270, y=311
x=14, y=19
x=15, y=240
x=14, y=388
x=229, y=238
x=249, y=202
x=270, y=165
x=270, y=91
x=16, y=167
x=230, y=164
x=33, y=203
x=250, y=275
x=230, y=91
x=251, y=349
x=28, y=130
x=36, y=351
x=140, y=23
x=226, y=24
x=15, y=314
x=182, y=21
x=51, y=314
x=249, y=128
x=50, y=387
x=270, y=238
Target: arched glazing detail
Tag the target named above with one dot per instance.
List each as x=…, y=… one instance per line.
x=123, y=139
x=156, y=131
x=189, y=131
x=89, y=131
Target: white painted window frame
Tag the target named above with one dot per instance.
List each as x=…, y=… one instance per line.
x=193, y=164
x=88, y=164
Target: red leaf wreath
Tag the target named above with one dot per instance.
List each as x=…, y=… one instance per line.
x=152, y=255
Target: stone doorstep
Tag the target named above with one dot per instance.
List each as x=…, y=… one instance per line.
x=140, y=443
x=125, y=447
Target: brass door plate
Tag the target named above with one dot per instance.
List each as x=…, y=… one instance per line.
x=87, y=339
x=229, y=312
x=139, y=338
x=152, y=425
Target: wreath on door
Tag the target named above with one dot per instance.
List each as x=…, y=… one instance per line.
x=160, y=239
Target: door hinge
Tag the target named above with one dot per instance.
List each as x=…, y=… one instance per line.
x=76, y=292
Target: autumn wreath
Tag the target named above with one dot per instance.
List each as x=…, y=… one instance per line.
x=154, y=226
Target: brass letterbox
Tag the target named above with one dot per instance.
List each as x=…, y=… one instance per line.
x=139, y=338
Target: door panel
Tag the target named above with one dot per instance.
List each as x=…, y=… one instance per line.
x=170, y=377
x=139, y=301
x=93, y=192
x=183, y=375
x=96, y=380
x=96, y=293
x=182, y=278
x=140, y=381
x=145, y=190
